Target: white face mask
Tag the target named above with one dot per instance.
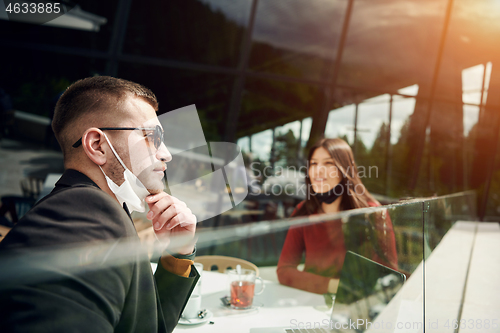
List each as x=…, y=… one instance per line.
x=132, y=191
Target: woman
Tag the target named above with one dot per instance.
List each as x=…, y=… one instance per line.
x=332, y=185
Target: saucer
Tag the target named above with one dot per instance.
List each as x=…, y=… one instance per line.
x=196, y=321
x=250, y=309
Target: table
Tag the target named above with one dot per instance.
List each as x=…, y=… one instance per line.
x=481, y=304
x=436, y=285
x=277, y=306
x=460, y=283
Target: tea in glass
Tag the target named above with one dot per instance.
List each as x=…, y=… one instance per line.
x=242, y=294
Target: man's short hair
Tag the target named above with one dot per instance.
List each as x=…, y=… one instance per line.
x=90, y=95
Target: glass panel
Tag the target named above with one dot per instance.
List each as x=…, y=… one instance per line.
x=464, y=207
x=470, y=118
x=449, y=238
x=391, y=235
x=404, y=221
x=261, y=145
x=404, y=160
x=469, y=55
x=492, y=212
x=444, y=213
x=395, y=235
x=36, y=85
x=244, y=144
x=297, y=45
x=340, y=123
x=398, y=164
x=306, y=130
x=370, y=148
x=475, y=85
x=179, y=32
x=386, y=46
x=293, y=127
x=402, y=109
x=446, y=162
x=287, y=147
x=373, y=119
x=178, y=88
x=75, y=32
x=269, y=103
x=468, y=78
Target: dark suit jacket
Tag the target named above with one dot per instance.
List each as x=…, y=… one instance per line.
x=79, y=268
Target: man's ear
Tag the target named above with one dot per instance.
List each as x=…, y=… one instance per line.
x=93, y=142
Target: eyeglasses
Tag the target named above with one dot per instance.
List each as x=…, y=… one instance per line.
x=156, y=139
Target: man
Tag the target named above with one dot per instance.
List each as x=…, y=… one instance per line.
x=96, y=280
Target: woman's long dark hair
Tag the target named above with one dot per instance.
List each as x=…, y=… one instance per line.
x=354, y=194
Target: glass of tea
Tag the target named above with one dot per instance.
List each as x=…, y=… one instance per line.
x=242, y=285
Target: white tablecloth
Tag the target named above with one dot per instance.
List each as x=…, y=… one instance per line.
x=277, y=306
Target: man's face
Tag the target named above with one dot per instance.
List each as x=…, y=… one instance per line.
x=137, y=148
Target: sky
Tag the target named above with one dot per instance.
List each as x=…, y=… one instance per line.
x=472, y=87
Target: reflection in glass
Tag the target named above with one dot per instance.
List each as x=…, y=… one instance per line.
x=294, y=127
x=371, y=145
x=402, y=109
x=287, y=146
x=366, y=288
x=36, y=85
x=448, y=242
x=475, y=84
x=340, y=123
x=373, y=236
x=262, y=144
x=297, y=45
x=90, y=28
x=493, y=205
x=270, y=104
x=386, y=47
x=209, y=178
x=244, y=144
x=306, y=130
x=373, y=119
x=444, y=213
x=177, y=88
x=179, y=32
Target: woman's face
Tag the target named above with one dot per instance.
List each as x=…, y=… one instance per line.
x=323, y=173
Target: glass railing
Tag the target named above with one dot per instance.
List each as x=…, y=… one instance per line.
x=261, y=242
x=429, y=240
x=401, y=236
x=449, y=237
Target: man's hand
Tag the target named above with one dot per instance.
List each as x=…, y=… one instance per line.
x=172, y=218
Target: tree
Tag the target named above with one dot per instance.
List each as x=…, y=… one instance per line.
x=285, y=150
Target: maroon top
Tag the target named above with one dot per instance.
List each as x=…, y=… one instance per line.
x=323, y=244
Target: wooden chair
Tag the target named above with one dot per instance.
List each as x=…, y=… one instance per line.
x=221, y=263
